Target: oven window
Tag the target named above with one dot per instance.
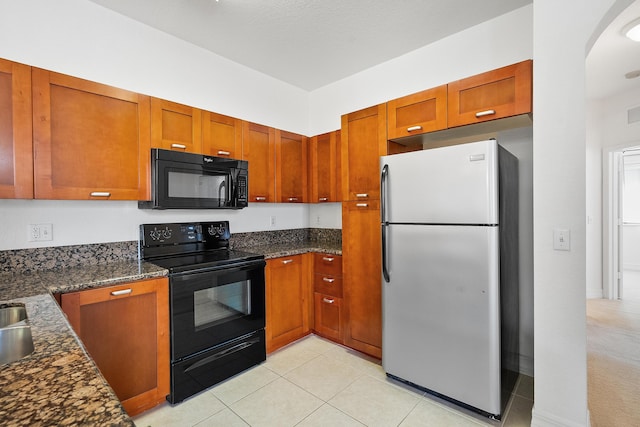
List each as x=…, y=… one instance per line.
x=219, y=304
x=197, y=186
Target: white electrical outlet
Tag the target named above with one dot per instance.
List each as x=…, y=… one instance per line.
x=272, y=220
x=40, y=232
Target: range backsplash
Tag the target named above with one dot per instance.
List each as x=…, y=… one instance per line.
x=54, y=257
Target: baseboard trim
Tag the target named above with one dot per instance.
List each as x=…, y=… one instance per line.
x=545, y=419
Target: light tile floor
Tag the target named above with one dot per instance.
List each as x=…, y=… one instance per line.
x=314, y=382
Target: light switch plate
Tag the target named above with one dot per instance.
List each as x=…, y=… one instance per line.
x=561, y=239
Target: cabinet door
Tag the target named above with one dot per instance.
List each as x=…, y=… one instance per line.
x=328, y=316
x=221, y=135
x=16, y=149
x=258, y=148
x=175, y=126
x=287, y=299
x=90, y=140
x=418, y=113
x=125, y=329
x=364, y=140
x=496, y=94
x=291, y=167
x=361, y=264
x=324, y=159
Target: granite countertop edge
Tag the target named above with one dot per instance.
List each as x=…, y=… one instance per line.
x=59, y=383
x=60, y=372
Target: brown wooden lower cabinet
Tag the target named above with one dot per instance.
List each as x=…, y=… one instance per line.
x=329, y=316
x=361, y=267
x=288, y=300
x=125, y=329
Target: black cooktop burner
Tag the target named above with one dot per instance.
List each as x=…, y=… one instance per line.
x=221, y=258
x=181, y=247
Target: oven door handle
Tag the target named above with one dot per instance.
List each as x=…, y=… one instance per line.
x=224, y=353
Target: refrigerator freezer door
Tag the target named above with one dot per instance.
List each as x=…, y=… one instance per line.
x=452, y=185
x=441, y=326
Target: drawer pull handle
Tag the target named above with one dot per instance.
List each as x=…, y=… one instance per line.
x=485, y=113
x=362, y=205
x=293, y=199
x=223, y=153
x=328, y=258
x=412, y=128
x=362, y=195
x=328, y=300
x=121, y=292
x=180, y=146
x=260, y=198
x=287, y=261
x=323, y=199
x=100, y=194
x=328, y=279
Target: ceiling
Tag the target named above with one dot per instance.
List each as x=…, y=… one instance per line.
x=612, y=56
x=311, y=43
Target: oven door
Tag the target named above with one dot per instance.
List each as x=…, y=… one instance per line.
x=213, y=306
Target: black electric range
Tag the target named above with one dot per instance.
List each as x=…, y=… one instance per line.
x=217, y=302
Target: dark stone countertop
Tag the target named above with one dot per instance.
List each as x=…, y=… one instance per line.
x=295, y=248
x=59, y=384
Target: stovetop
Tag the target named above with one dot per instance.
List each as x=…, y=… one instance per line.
x=181, y=247
x=221, y=258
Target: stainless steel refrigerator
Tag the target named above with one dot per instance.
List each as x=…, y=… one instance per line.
x=450, y=272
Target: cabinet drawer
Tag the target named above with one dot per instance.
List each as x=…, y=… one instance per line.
x=327, y=264
x=328, y=284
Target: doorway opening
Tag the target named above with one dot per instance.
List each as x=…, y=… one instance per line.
x=622, y=215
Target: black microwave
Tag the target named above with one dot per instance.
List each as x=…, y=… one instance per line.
x=195, y=181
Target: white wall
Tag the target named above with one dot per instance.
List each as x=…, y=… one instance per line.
x=475, y=50
x=563, y=32
x=80, y=38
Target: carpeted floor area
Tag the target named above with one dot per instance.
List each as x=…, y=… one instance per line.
x=613, y=362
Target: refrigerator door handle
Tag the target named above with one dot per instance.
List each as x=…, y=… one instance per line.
x=383, y=216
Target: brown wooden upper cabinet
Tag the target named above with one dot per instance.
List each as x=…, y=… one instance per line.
x=175, y=126
x=91, y=141
x=324, y=167
x=417, y=113
x=291, y=167
x=364, y=140
x=496, y=94
x=16, y=148
x=221, y=135
x=258, y=148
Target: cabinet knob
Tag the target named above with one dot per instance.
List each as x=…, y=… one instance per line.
x=328, y=279
x=287, y=261
x=328, y=258
x=223, y=153
x=412, y=128
x=362, y=205
x=121, y=292
x=362, y=195
x=485, y=113
x=260, y=198
x=100, y=194
x=293, y=199
x=328, y=300
x=180, y=146
x=323, y=199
